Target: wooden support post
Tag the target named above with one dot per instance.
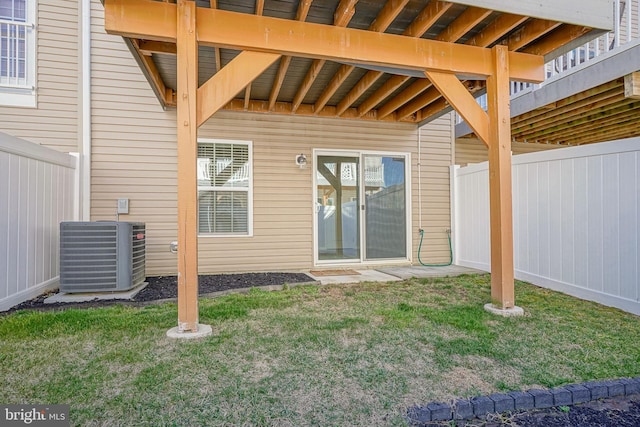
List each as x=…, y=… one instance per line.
x=502, y=286
x=187, y=51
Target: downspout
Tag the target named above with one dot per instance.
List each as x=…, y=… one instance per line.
x=85, y=185
x=419, y=179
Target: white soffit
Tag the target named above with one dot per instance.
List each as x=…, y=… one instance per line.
x=589, y=13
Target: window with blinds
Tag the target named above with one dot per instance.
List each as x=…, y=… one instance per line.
x=17, y=53
x=224, y=187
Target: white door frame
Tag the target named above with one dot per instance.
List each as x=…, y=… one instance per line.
x=360, y=154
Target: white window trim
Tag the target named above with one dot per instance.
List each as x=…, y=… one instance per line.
x=249, y=232
x=18, y=96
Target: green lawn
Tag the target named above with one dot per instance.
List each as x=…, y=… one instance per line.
x=336, y=355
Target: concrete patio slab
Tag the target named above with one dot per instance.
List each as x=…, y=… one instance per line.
x=362, y=276
x=407, y=272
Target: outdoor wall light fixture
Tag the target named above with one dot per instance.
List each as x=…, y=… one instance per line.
x=301, y=160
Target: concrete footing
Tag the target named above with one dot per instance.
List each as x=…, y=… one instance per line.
x=504, y=312
x=203, y=331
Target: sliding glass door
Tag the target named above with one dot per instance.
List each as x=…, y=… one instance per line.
x=337, y=206
x=385, y=223
x=361, y=207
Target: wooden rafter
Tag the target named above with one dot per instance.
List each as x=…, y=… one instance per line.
x=386, y=16
x=301, y=15
x=427, y=17
x=137, y=18
x=462, y=25
x=259, y=9
x=557, y=38
x=344, y=12
x=530, y=31
x=563, y=113
x=218, y=59
x=592, y=117
x=563, y=104
x=417, y=87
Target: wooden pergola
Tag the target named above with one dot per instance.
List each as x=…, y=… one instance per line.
x=388, y=60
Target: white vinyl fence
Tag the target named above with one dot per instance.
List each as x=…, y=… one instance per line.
x=37, y=192
x=576, y=215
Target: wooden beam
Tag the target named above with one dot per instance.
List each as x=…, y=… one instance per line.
x=342, y=16
x=308, y=110
x=187, y=76
x=163, y=92
x=500, y=197
x=148, y=47
x=146, y=19
x=464, y=103
x=223, y=86
x=632, y=85
x=588, y=13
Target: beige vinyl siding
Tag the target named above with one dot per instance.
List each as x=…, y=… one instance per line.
x=133, y=146
x=283, y=193
x=471, y=150
x=54, y=122
x=134, y=156
x=436, y=158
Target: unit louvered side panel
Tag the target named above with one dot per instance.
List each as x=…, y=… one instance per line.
x=88, y=257
x=138, y=254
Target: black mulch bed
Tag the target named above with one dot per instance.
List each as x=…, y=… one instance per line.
x=166, y=287
x=610, y=412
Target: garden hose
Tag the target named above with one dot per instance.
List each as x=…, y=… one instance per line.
x=436, y=265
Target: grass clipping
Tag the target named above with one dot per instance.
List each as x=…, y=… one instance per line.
x=336, y=355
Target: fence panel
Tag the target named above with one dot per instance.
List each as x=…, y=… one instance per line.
x=576, y=216
x=37, y=192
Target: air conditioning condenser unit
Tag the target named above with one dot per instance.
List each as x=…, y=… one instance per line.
x=103, y=256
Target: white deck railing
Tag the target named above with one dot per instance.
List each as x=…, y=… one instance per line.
x=17, y=41
x=626, y=29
